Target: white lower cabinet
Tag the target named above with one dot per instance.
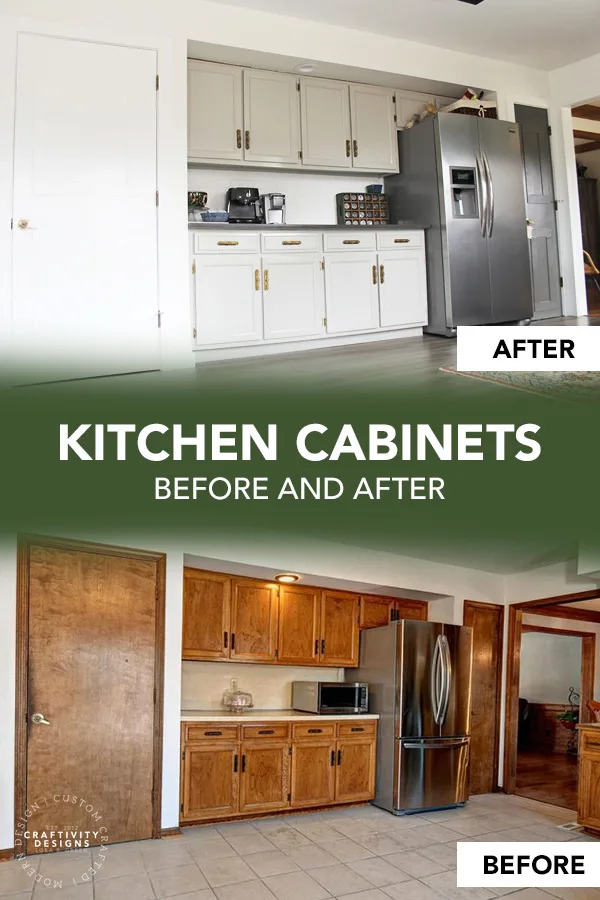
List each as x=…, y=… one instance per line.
x=228, y=299
x=351, y=295
x=402, y=288
x=293, y=295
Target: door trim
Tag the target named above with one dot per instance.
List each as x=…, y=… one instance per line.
x=24, y=543
x=474, y=604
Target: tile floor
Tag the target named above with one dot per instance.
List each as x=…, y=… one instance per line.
x=360, y=853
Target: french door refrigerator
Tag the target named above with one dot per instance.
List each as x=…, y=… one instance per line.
x=462, y=177
x=419, y=677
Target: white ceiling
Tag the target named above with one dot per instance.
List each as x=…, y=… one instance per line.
x=543, y=34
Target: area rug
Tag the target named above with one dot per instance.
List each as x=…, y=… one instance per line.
x=575, y=387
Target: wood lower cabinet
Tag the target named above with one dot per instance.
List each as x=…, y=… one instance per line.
x=588, y=813
x=210, y=780
x=264, y=776
x=313, y=773
x=355, y=769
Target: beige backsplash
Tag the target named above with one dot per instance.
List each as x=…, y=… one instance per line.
x=203, y=683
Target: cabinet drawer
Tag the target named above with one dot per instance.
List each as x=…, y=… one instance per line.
x=590, y=743
x=210, y=732
x=309, y=731
x=292, y=242
x=343, y=240
x=357, y=729
x=226, y=242
x=398, y=240
x=276, y=730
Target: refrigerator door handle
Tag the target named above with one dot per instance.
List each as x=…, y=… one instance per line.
x=437, y=680
x=482, y=191
x=439, y=745
x=446, y=661
x=492, y=199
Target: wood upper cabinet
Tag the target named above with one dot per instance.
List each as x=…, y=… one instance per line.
x=339, y=628
x=313, y=773
x=325, y=114
x=214, y=111
x=206, y=612
x=299, y=625
x=376, y=611
x=374, y=132
x=254, y=619
x=588, y=813
x=271, y=117
x=210, y=781
x=355, y=769
x=264, y=776
x=411, y=609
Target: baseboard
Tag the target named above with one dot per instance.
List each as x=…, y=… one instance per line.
x=171, y=832
x=7, y=854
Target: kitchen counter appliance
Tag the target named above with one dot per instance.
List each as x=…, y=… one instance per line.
x=243, y=206
x=273, y=208
x=330, y=697
x=419, y=676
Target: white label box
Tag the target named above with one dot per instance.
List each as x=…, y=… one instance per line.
x=523, y=864
x=513, y=348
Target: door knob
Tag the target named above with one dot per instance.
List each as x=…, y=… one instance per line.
x=39, y=719
x=23, y=224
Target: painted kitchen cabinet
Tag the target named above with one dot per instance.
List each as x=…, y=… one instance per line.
x=254, y=619
x=339, y=628
x=206, y=615
x=299, y=625
x=326, y=131
x=293, y=295
x=271, y=117
x=228, y=299
x=210, y=780
x=215, y=118
x=374, y=132
x=402, y=288
x=264, y=776
x=351, y=295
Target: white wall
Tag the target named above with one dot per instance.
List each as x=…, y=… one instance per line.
x=570, y=625
x=550, y=665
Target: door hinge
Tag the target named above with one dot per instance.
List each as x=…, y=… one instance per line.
x=157, y=82
x=322, y=265
x=562, y=282
x=299, y=154
x=194, y=333
x=325, y=323
x=289, y=751
x=159, y=318
x=11, y=224
x=289, y=798
x=181, y=808
x=395, y=118
x=193, y=268
x=183, y=755
x=549, y=130
x=556, y=206
x=277, y=653
x=157, y=198
x=297, y=85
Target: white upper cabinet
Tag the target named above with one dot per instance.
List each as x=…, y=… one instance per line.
x=326, y=133
x=214, y=111
x=271, y=117
x=374, y=139
x=409, y=105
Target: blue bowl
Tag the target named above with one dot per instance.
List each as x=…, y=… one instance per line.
x=214, y=217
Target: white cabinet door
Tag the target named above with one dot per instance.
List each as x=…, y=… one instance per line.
x=294, y=295
x=271, y=117
x=351, y=297
x=228, y=299
x=374, y=138
x=408, y=106
x=214, y=111
x=402, y=288
x=325, y=110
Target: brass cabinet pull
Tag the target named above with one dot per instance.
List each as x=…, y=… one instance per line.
x=351, y=242
x=402, y=240
x=291, y=243
x=256, y=288
x=266, y=280
x=355, y=149
x=348, y=148
x=247, y=140
x=381, y=274
x=239, y=138
x=374, y=274
x=227, y=243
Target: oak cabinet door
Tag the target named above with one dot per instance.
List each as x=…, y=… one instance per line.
x=210, y=781
x=214, y=111
x=271, y=117
x=293, y=296
x=254, y=618
x=339, y=628
x=206, y=614
x=299, y=625
x=589, y=791
x=411, y=609
x=374, y=133
x=355, y=770
x=264, y=771
x=402, y=288
x=228, y=299
x=325, y=115
x=313, y=773
x=351, y=295
x=376, y=611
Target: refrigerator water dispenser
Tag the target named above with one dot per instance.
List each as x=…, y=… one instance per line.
x=464, y=194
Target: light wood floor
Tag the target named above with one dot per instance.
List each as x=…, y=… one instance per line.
x=548, y=777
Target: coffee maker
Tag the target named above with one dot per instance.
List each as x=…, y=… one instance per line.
x=273, y=208
x=243, y=206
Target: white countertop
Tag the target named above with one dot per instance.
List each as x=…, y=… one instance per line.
x=261, y=715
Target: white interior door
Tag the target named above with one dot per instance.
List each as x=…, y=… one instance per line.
x=374, y=132
x=325, y=110
x=85, y=292
x=402, y=288
x=228, y=299
x=271, y=117
x=294, y=295
x=214, y=111
x=351, y=291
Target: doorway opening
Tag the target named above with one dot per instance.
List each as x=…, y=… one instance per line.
x=586, y=135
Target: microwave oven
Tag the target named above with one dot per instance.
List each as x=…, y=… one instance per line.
x=330, y=697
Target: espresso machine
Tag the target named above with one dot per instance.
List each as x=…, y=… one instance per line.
x=273, y=208
x=244, y=206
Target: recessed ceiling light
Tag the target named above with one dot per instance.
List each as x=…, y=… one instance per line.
x=472, y=2
x=287, y=578
x=305, y=68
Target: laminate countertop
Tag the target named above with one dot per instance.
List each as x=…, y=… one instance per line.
x=262, y=715
x=231, y=226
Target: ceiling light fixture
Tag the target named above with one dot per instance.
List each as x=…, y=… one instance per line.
x=287, y=578
x=472, y=2
x=305, y=68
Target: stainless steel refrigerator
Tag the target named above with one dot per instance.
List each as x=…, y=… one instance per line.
x=462, y=177
x=419, y=677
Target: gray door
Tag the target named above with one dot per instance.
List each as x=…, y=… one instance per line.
x=467, y=279
x=510, y=274
x=417, y=665
x=457, y=647
x=540, y=197
x=432, y=773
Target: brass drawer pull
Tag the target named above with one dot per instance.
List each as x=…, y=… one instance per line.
x=256, y=288
x=374, y=274
x=315, y=731
x=227, y=243
x=348, y=148
x=351, y=242
x=291, y=243
x=355, y=149
x=247, y=140
x=402, y=240
x=266, y=280
x=239, y=138
x=267, y=731
x=381, y=273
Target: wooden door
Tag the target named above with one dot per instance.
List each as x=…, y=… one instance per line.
x=90, y=707
x=325, y=114
x=211, y=777
x=85, y=265
x=215, y=127
x=228, y=299
x=206, y=615
x=294, y=296
x=487, y=622
x=376, y=611
x=374, y=133
x=313, y=773
x=402, y=288
x=271, y=117
x=264, y=776
x=339, y=628
x=299, y=625
x=351, y=295
x=355, y=770
x=254, y=619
